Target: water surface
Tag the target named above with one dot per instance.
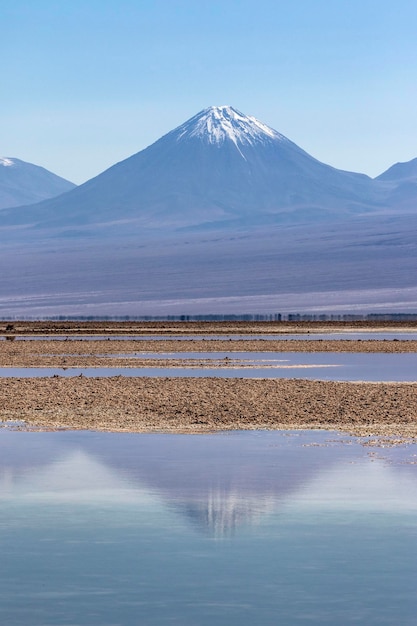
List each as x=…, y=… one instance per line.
x=347, y=335
x=345, y=366
x=242, y=528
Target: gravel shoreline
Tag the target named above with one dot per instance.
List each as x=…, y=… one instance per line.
x=210, y=404
x=197, y=404
x=51, y=327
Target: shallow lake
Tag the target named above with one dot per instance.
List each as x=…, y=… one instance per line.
x=376, y=335
x=266, y=528
x=312, y=365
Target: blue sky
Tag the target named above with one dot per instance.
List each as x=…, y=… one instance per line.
x=87, y=83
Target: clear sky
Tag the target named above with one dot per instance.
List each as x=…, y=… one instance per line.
x=87, y=83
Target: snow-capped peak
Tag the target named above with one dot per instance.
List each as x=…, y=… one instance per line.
x=6, y=162
x=217, y=124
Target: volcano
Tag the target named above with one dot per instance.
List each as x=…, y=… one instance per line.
x=221, y=215
x=221, y=168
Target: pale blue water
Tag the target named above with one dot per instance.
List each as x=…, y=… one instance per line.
x=381, y=336
x=311, y=365
x=243, y=528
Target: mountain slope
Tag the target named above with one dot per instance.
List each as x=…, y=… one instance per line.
x=401, y=180
x=400, y=172
x=25, y=183
x=219, y=167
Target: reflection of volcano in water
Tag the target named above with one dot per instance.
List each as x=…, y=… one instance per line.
x=223, y=511
x=218, y=483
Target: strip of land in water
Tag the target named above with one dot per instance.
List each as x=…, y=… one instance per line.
x=131, y=353
x=208, y=404
x=50, y=327
x=198, y=404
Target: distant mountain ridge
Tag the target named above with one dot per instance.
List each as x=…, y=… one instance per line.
x=402, y=178
x=400, y=172
x=23, y=183
x=220, y=169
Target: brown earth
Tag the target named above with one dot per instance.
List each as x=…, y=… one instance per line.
x=207, y=404
x=16, y=327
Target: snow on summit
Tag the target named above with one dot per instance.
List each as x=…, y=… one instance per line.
x=6, y=162
x=220, y=123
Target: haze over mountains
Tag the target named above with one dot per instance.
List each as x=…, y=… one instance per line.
x=222, y=214
x=25, y=183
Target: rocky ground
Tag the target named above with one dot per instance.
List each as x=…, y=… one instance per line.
x=174, y=328
x=207, y=404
